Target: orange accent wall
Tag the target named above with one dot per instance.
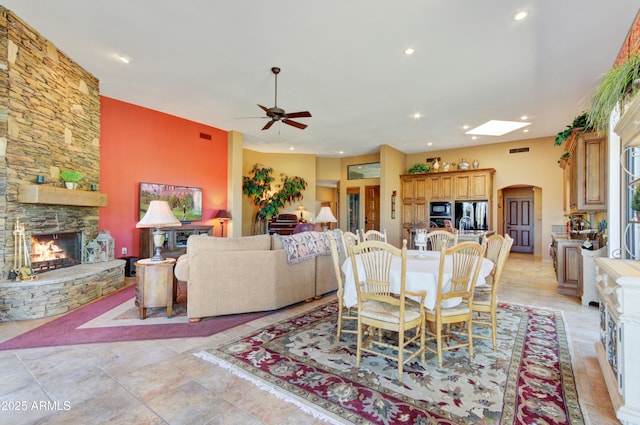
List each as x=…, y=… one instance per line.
x=139, y=144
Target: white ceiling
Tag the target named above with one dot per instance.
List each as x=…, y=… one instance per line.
x=210, y=61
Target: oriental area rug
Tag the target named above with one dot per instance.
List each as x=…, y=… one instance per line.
x=115, y=318
x=528, y=380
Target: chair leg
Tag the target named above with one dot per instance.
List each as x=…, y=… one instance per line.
x=470, y=336
x=400, y=354
x=339, y=320
x=359, y=346
x=494, y=330
x=439, y=342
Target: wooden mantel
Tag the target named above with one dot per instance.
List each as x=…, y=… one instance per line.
x=51, y=195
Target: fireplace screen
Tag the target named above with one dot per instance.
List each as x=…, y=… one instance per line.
x=55, y=250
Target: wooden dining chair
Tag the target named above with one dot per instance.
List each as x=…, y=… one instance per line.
x=465, y=260
x=379, y=309
x=437, y=239
x=349, y=239
x=374, y=235
x=344, y=313
x=485, y=303
x=493, y=245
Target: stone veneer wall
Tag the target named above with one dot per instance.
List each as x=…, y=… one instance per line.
x=49, y=122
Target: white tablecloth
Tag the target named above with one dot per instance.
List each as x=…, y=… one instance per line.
x=422, y=274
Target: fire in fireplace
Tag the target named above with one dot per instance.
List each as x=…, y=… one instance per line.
x=55, y=250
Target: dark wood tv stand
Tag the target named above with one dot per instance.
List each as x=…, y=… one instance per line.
x=175, y=243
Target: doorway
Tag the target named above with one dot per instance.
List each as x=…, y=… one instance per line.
x=353, y=209
x=371, y=208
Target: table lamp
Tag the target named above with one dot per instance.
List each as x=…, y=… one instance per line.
x=325, y=216
x=158, y=215
x=222, y=215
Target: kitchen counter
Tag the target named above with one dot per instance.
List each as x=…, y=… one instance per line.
x=473, y=235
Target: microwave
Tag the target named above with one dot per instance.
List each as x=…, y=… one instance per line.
x=440, y=209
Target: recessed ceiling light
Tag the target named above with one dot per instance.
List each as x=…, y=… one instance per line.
x=474, y=138
x=526, y=130
x=291, y=148
x=416, y=115
x=465, y=127
x=341, y=152
x=409, y=51
x=123, y=59
x=521, y=15
x=497, y=128
x=524, y=118
x=430, y=143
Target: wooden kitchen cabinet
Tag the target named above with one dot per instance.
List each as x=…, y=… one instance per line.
x=415, y=205
x=418, y=190
x=585, y=173
x=567, y=261
x=440, y=187
x=477, y=185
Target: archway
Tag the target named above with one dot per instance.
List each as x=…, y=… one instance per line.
x=519, y=215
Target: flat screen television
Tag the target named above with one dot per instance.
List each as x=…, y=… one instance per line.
x=185, y=201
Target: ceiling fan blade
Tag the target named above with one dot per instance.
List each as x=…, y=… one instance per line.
x=268, y=125
x=264, y=108
x=303, y=114
x=295, y=124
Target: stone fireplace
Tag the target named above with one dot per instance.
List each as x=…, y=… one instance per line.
x=49, y=122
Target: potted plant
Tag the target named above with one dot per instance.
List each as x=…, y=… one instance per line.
x=419, y=168
x=616, y=85
x=578, y=122
x=635, y=202
x=258, y=188
x=71, y=178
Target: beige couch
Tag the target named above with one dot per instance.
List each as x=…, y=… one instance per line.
x=245, y=274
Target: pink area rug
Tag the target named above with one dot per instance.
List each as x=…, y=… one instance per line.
x=114, y=318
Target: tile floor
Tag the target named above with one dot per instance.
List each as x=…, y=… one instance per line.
x=161, y=382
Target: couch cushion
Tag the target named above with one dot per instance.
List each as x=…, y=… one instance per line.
x=244, y=243
x=304, y=246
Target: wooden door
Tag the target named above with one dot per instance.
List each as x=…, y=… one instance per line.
x=520, y=223
x=371, y=208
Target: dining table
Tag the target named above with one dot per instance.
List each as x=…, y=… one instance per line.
x=423, y=268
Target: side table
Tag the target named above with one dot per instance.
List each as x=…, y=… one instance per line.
x=155, y=285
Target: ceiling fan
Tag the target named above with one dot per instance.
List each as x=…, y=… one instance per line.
x=279, y=114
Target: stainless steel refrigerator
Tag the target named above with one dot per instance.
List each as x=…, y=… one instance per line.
x=472, y=215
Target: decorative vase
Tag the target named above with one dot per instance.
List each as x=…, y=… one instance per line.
x=71, y=185
x=436, y=165
x=475, y=163
x=445, y=166
x=463, y=165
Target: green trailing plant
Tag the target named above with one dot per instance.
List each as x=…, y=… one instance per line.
x=71, y=176
x=578, y=122
x=419, y=168
x=257, y=186
x=614, y=87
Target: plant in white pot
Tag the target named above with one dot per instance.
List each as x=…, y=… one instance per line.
x=71, y=178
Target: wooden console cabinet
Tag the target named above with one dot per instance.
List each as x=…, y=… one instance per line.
x=618, y=283
x=175, y=243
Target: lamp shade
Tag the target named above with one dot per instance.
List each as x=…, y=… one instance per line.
x=223, y=215
x=325, y=216
x=159, y=214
